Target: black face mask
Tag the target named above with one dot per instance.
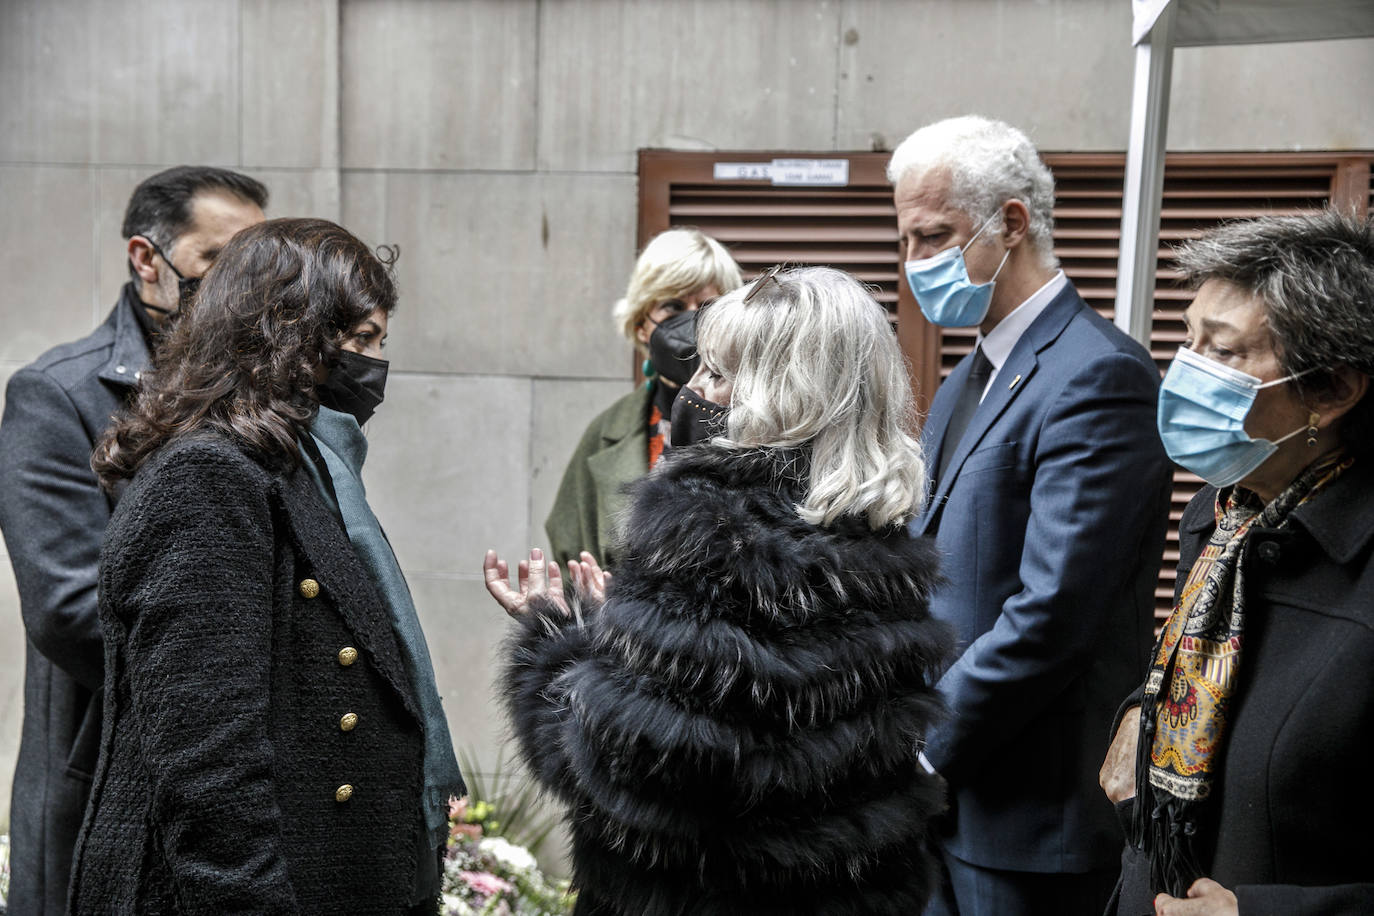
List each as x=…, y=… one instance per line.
x=695, y=419
x=673, y=348
x=356, y=385
x=186, y=286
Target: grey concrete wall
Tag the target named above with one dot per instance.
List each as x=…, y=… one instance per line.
x=495, y=141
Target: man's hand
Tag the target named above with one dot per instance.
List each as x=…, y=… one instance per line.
x=1205, y=898
x=1117, y=776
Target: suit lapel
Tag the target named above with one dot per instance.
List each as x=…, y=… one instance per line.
x=935, y=428
x=942, y=406
x=1020, y=365
x=1012, y=379
x=332, y=561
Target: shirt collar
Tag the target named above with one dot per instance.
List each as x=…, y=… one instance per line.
x=998, y=343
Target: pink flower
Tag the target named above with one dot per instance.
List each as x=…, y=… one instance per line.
x=485, y=883
x=471, y=831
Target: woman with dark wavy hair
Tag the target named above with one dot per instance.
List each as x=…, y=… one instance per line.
x=273, y=737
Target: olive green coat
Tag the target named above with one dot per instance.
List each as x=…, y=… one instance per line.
x=613, y=452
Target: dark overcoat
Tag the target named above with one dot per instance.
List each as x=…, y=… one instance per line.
x=261, y=750
x=53, y=514
x=1288, y=825
x=736, y=729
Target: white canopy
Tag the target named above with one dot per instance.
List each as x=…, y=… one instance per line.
x=1159, y=27
x=1244, y=22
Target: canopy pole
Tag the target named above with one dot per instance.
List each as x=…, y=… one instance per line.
x=1141, y=196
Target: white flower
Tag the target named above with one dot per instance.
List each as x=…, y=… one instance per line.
x=454, y=906
x=517, y=857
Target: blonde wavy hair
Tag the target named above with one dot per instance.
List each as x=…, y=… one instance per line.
x=814, y=362
x=674, y=264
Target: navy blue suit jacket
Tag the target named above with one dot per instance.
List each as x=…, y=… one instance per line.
x=1050, y=522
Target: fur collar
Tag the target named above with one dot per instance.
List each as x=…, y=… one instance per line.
x=729, y=518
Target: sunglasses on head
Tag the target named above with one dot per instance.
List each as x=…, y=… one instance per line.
x=769, y=274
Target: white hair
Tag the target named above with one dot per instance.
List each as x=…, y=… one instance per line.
x=675, y=264
x=814, y=363
x=990, y=162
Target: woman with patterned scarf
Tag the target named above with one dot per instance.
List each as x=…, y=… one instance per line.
x=1240, y=766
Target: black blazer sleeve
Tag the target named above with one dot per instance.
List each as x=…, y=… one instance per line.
x=188, y=576
x=53, y=513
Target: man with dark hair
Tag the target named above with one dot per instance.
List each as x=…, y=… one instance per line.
x=53, y=513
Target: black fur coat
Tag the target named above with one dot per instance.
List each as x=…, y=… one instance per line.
x=736, y=729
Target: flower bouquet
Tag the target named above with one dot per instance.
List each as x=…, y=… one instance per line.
x=4, y=873
x=488, y=874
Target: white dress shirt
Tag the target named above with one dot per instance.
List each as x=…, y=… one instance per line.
x=998, y=343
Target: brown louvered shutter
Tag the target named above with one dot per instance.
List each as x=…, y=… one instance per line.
x=854, y=228
x=851, y=227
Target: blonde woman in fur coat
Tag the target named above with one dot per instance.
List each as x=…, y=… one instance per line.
x=735, y=722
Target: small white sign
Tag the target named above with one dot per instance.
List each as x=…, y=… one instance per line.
x=832, y=172
x=811, y=171
x=743, y=171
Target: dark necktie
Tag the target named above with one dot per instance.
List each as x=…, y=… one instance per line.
x=980, y=370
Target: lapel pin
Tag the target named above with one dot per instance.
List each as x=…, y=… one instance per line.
x=1013, y=382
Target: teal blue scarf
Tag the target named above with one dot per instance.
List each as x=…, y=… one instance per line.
x=344, y=447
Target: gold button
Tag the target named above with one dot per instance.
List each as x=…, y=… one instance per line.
x=347, y=656
x=348, y=722
x=343, y=793
x=309, y=588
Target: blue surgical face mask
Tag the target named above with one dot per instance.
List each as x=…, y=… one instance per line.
x=945, y=293
x=1202, y=411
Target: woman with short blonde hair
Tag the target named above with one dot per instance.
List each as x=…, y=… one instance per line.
x=674, y=267
x=678, y=271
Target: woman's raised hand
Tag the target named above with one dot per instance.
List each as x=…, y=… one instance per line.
x=535, y=577
x=588, y=578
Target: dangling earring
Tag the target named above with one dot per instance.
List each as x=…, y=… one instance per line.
x=1312, y=419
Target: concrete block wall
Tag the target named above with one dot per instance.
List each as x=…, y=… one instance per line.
x=495, y=141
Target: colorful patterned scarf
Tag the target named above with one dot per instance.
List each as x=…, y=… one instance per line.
x=1198, y=656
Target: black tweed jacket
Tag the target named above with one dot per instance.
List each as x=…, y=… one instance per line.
x=261, y=750
x=736, y=728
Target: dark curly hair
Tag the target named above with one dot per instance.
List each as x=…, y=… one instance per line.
x=274, y=309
